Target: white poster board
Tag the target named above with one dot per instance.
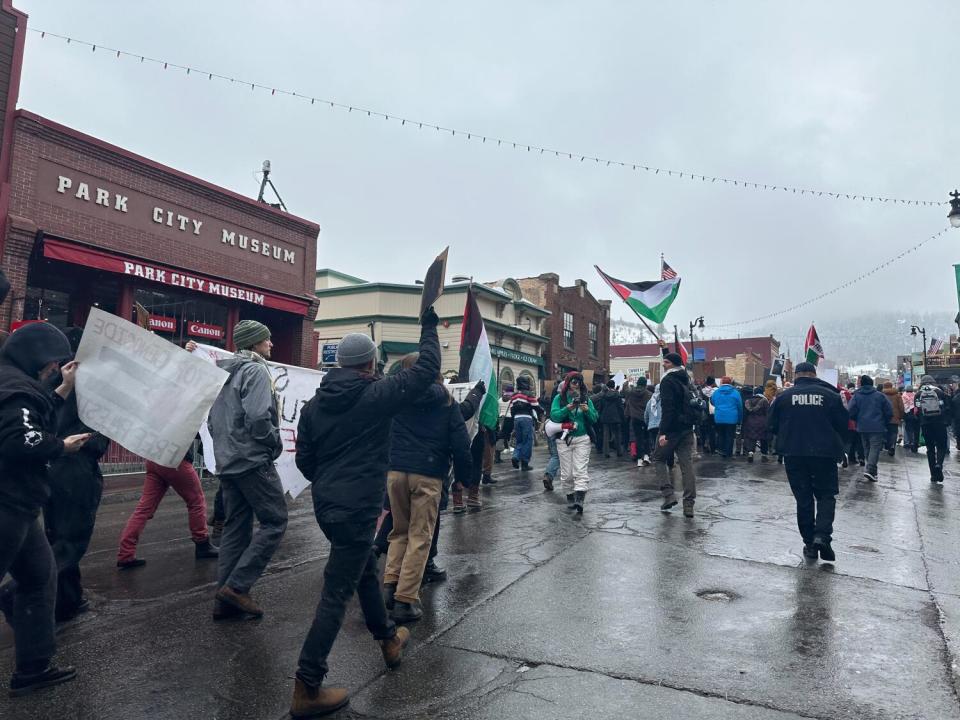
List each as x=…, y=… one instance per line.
x=140, y=390
x=830, y=375
x=294, y=386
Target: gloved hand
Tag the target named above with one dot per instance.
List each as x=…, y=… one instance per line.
x=430, y=318
x=480, y=387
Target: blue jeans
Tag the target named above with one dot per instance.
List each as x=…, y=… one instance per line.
x=553, y=464
x=523, y=433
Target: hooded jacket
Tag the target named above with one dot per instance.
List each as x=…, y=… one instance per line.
x=611, y=407
x=808, y=420
x=28, y=417
x=871, y=410
x=243, y=421
x=344, y=430
x=727, y=404
x=896, y=403
x=637, y=400
x=674, y=400
x=945, y=407
x=755, y=411
x=427, y=433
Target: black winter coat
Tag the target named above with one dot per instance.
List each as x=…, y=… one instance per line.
x=344, y=431
x=674, y=399
x=611, y=407
x=809, y=420
x=28, y=440
x=427, y=433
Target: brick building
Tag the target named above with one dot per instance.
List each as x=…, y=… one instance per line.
x=86, y=223
x=578, y=327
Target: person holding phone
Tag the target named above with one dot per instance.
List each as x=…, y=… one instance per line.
x=28, y=442
x=573, y=405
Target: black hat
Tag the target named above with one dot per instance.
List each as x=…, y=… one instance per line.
x=611, y=384
x=865, y=380
x=32, y=347
x=641, y=382
x=805, y=367
x=674, y=359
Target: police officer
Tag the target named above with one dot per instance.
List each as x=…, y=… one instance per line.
x=809, y=421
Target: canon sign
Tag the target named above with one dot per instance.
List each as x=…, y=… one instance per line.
x=214, y=332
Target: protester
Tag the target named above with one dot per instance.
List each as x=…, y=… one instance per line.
x=636, y=407
x=708, y=427
x=893, y=424
x=244, y=425
x=76, y=486
x=911, y=424
x=185, y=483
x=611, y=418
x=872, y=412
x=342, y=449
x=809, y=422
x=675, y=438
x=933, y=410
x=28, y=442
x=955, y=413
x=424, y=436
x=727, y=414
x=755, y=410
x=853, y=448
x=523, y=408
x=553, y=464
x=572, y=405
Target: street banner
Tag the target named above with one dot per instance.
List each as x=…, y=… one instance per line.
x=294, y=386
x=142, y=391
x=434, y=281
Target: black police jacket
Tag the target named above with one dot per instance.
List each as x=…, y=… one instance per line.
x=809, y=420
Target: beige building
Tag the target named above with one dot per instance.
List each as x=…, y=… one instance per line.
x=389, y=313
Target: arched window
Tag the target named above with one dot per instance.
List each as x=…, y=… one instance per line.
x=506, y=378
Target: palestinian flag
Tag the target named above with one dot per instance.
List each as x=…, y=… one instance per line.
x=476, y=363
x=650, y=299
x=812, y=349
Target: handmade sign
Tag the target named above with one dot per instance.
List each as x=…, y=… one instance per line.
x=142, y=391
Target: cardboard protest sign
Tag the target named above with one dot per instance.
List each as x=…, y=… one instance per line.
x=141, y=391
x=587, y=378
x=434, y=281
x=294, y=387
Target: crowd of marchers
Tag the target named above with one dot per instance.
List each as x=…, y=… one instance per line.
x=384, y=456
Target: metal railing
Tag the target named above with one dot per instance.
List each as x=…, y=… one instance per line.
x=943, y=360
x=120, y=461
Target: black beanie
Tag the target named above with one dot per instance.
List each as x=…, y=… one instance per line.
x=32, y=347
x=641, y=382
x=865, y=380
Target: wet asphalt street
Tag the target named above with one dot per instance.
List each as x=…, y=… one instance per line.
x=625, y=613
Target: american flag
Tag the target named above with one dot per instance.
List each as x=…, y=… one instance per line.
x=666, y=272
x=936, y=345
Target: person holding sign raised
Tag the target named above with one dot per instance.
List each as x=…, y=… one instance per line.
x=28, y=442
x=343, y=450
x=244, y=423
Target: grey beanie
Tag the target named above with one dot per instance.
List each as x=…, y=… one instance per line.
x=355, y=349
x=248, y=333
x=928, y=380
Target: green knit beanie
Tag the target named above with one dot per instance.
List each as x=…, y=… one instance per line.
x=248, y=333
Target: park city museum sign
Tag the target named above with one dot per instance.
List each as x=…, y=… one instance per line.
x=171, y=224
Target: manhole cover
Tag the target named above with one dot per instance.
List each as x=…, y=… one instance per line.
x=865, y=548
x=717, y=595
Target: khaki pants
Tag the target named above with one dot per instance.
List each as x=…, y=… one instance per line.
x=414, y=503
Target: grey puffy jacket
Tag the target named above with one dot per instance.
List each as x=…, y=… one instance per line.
x=243, y=420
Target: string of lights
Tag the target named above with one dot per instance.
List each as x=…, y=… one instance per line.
x=838, y=288
x=470, y=135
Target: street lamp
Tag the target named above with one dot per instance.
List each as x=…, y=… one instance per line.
x=954, y=215
x=914, y=329
x=698, y=323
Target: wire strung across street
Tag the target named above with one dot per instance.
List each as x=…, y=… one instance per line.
x=838, y=288
x=501, y=142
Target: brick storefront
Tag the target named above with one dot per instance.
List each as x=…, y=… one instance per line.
x=88, y=223
x=588, y=314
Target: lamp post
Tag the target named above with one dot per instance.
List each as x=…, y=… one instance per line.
x=914, y=329
x=954, y=215
x=698, y=323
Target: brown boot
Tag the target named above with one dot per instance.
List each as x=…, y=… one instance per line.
x=458, y=506
x=393, y=648
x=241, y=601
x=473, y=498
x=309, y=701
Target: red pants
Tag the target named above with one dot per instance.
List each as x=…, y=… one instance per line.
x=186, y=484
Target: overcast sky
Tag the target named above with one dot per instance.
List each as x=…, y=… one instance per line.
x=860, y=97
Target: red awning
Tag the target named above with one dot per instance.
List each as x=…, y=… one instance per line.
x=90, y=257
